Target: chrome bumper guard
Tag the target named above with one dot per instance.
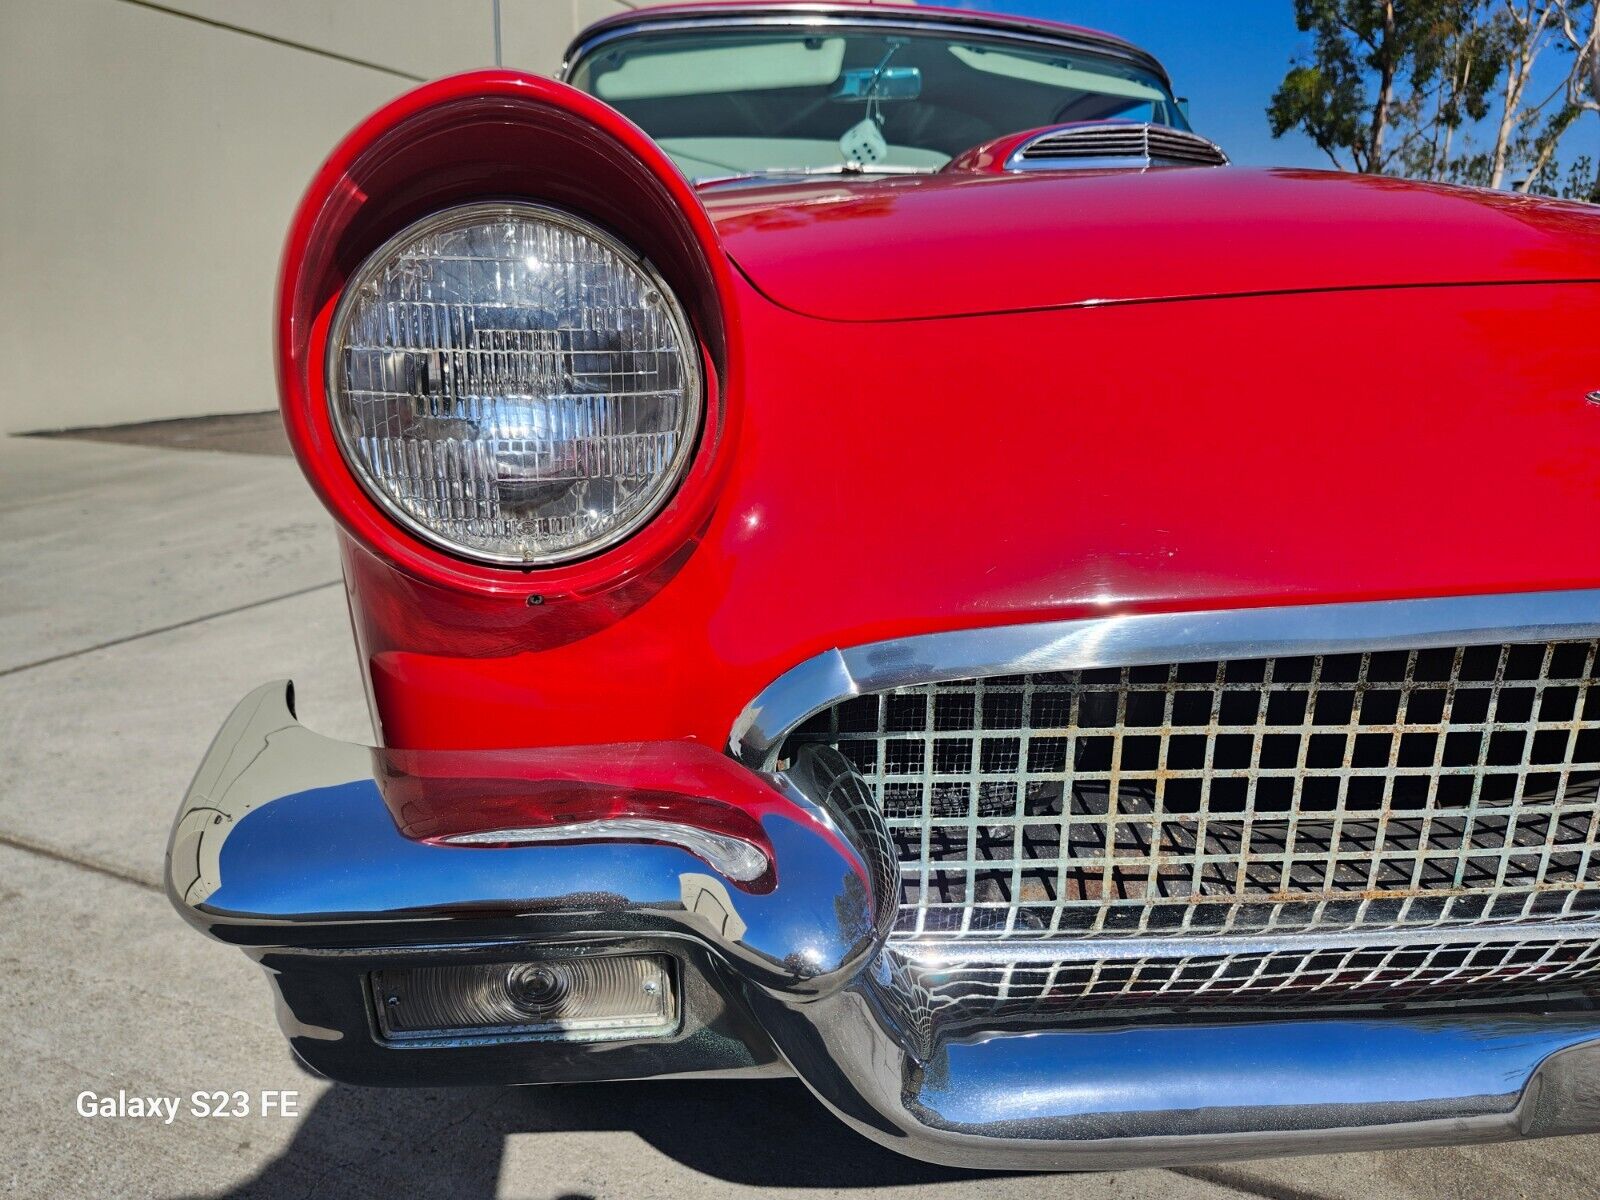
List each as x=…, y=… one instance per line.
x=285, y=846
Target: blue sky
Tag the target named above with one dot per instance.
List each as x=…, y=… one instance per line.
x=1227, y=57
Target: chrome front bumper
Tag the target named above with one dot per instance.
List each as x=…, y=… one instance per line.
x=285, y=846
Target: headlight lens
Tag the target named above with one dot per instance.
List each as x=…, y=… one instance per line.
x=513, y=385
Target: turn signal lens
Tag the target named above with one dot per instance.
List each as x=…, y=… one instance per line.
x=514, y=385
x=575, y=999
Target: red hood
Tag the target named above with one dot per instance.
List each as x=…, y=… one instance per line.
x=954, y=244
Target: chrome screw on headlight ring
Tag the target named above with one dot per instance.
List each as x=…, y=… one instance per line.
x=513, y=385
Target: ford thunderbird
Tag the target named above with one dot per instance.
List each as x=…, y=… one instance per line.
x=878, y=556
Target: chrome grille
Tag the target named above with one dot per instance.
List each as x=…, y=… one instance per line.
x=1151, y=145
x=1218, y=976
x=1389, y=790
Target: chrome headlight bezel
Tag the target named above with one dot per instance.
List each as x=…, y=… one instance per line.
x=374, y=488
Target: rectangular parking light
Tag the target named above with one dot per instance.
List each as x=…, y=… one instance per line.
x=588, y=999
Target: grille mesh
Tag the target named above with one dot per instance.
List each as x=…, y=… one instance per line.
x=1400, y=789
x=1255, y=978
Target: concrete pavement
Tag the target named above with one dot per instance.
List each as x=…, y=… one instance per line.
x=142, y=592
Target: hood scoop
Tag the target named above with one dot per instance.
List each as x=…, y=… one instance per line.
x=1090, y=145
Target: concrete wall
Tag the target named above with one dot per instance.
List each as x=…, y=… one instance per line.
x=150, y=157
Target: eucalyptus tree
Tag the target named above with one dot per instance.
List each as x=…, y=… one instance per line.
x=1365, y=92
x=1402, y=86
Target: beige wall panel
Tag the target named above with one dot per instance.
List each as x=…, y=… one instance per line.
x=422, y=37
x=148, y=168
x=149, y=163
x=535, y=33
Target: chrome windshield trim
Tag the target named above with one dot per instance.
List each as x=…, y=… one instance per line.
x=980, y=26
x=1145, y=639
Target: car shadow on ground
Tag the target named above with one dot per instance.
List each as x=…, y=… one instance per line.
x=764, y=1133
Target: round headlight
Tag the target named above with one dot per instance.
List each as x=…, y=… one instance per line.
x=513, y=385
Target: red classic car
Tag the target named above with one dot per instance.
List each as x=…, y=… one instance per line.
x=878, y=556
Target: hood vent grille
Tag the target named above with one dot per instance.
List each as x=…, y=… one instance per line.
x=1115, y=144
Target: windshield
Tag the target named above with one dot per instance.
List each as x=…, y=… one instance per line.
x=735, y=101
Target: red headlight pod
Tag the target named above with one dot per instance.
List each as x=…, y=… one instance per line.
x=423, y=461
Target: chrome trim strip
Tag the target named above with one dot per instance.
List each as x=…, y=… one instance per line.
x=932, y=952
x=1143, y=639
x=1101, y=163
x=734, y=857
x=833, y=15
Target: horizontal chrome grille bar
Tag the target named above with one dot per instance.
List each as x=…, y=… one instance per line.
x=936, y=954
x=1224, y=975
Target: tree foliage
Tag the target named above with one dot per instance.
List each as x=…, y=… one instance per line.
x=1445, y=89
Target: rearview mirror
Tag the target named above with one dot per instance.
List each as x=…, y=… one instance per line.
x=893, y=83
